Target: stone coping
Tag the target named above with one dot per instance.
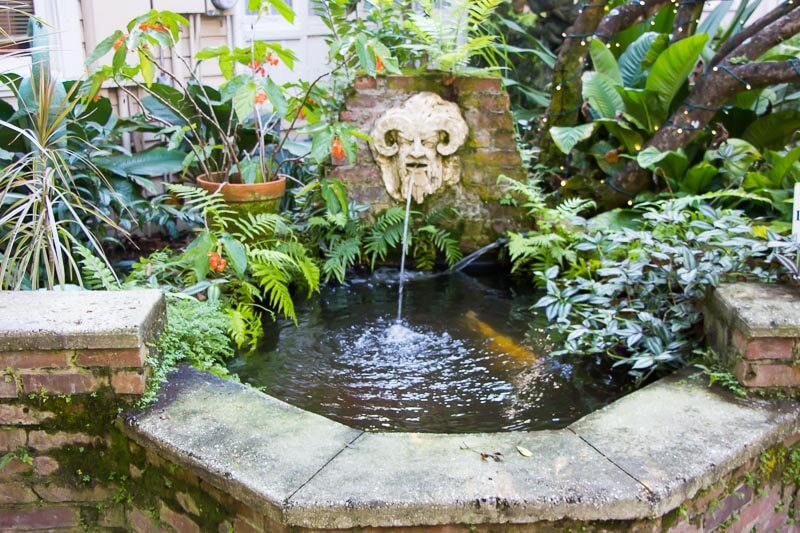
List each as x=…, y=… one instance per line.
x=758, y=310
x=639, y=457
x=75, y=320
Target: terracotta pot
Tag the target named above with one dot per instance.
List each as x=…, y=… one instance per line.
x=237, y=193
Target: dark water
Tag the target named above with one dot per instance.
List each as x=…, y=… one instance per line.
x=471, y=362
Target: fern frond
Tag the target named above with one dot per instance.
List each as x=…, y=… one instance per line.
x=274, y=283
x=211, y=207
x=95, y=273
x=261, y=226
x=342, y=254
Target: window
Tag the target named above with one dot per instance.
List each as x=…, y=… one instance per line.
x=14, y=25
x=272, y=10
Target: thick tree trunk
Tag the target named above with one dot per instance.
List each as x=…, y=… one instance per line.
x=711, y=91
x=566, y=92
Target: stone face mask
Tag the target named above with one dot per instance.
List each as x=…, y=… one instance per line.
x=415, y=145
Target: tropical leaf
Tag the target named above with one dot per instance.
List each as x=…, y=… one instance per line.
x=672, y=68
x=604, y=61
x=601, y=92
x=566, y=137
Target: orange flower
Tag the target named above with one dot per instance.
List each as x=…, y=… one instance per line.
x=337, y=150
x=301, y=113
x=216, y=262
x=272, y=60
x=119, y=41
x=378, y=64
x=144, y=26
x=254, y=65
x=96, y=98
x=260, y=97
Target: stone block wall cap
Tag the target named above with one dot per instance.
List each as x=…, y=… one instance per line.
x=758, y=309
x=72, y=320
x=639, y=457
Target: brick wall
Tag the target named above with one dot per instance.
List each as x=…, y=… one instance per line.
x=755, y=329
x=490, y=150
x=65, y=463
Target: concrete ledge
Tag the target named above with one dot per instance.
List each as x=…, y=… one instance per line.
x=639, y=457
x=75, y=320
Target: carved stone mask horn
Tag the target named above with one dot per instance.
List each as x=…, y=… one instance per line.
x=456, y=132
x=383, y=127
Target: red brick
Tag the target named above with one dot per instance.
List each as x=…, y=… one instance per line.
x=140, y=522
x=401, y=82
x=128, y=383
x=365, y=82
x=348, y=116
x=361, y=101
x=187, y=503
x=729, y=506
x=45, y=465
x=8, y=387
x=763, y=507
x=739, y=341
x=60, y=383
x=769, y=348
x=15, y=492
x=132, y=357
x=177, y=521
x=242, y=526
x=38, y=518
x=113, y=517
x=54, y=359
x=13, y=468
x=767, y=375
x=61, y=493
x=41, y=441
x=11, y=439
x=21, y=415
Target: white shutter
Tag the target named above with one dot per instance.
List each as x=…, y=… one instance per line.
x=14, y=25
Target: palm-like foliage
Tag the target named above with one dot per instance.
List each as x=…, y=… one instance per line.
x=43, y=213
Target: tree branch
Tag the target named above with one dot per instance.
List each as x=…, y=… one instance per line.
x=738, y=39
x=716, y=88
x=686, y=20
x=565, y=93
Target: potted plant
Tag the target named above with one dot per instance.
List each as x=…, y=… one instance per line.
x=238, y=138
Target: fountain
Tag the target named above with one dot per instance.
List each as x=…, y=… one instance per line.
x=404, y=351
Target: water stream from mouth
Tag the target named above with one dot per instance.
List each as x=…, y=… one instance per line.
x=403, y=251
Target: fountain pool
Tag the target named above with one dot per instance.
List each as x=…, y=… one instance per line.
x=465, y=358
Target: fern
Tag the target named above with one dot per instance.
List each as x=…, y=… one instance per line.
x=385, y=234
x=342, y=254
x=451, y=38
x=431, y=239
x=94, y=271
x=274, y=283
x=211, y=207
x=245, y=327
x=262, y=226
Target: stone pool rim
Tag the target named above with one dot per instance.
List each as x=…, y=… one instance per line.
x=639, y=457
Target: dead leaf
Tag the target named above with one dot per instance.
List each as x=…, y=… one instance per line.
x=524, y=452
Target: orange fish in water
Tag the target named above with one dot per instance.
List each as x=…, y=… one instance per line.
x=499, y=343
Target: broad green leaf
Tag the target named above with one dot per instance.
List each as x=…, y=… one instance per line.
x=321, y=145
x=624, y=132
x=283, y=9
x=755, y=181
x=236, y=252
x=276, y=97
x=147, y=67
x=152, y=162
x=780, y=164
x=103, y=47
x=196, y=254
x=601, y=92
x=642, y=105
x=698, y=178
x=672, y=164
x=567, y=137
x=244, y=101
x=774, y=130
x=604, y=61
x=672, y=68
x=630, y=62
